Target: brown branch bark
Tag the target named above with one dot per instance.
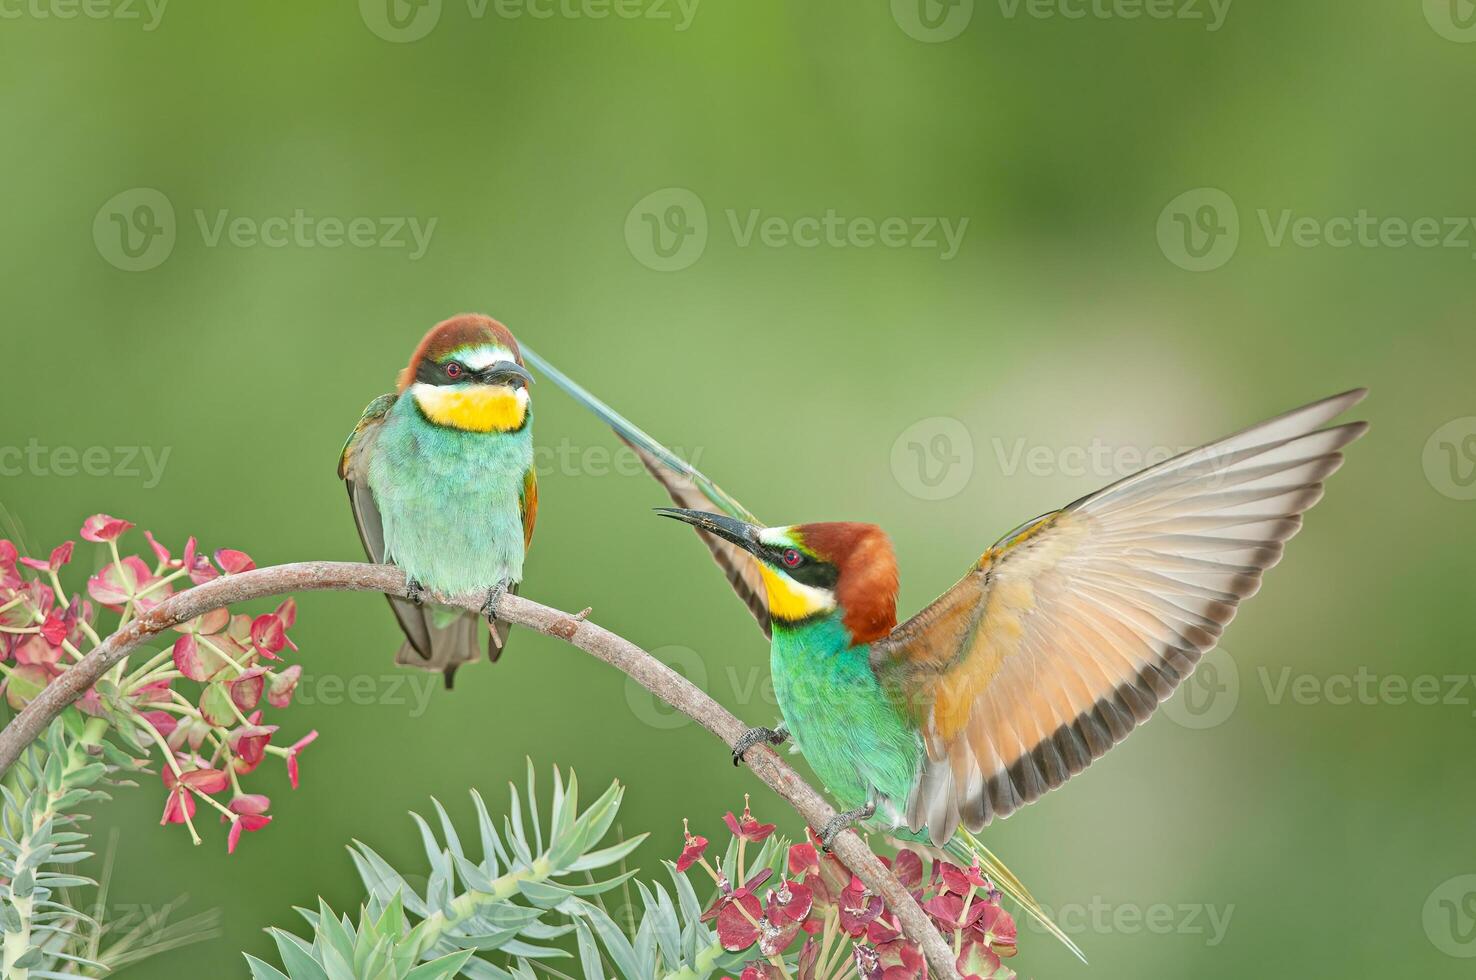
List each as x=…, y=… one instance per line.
x=600, y=643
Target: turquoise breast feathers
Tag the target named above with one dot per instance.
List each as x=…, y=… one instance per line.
x=449, y=500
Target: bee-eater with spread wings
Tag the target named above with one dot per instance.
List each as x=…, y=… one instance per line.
x=440, y=475
x=1057, y=643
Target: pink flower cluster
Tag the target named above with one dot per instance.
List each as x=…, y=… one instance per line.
x=839, y=927
x=198, y=705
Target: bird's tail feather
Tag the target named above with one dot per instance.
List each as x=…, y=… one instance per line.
x=968, y=848
x=455, y=639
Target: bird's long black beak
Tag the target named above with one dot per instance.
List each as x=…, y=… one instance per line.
x=505, y=372
x=742, y=534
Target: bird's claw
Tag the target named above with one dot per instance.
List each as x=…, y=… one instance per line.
x=494, y=596
x=414, y=591
x=843, y=821
x=753, y=737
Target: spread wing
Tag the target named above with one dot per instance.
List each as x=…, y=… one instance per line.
x=687, y=487
x=1069, y=632
x=353, y=469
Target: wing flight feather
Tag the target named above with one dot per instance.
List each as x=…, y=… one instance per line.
x=1070, y=631
x=353, y=469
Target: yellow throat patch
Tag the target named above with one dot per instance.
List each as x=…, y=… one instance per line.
x=481, y=408
x=793, y=601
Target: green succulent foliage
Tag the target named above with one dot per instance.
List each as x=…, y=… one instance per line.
x=468, y=909
x=45, y=934
x=530, y=897
x=670, y=938
x=37, y=850
x=382, y=947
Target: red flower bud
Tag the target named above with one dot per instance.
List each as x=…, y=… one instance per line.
x=234, y=562
x=745, y=827
x=692, y=849
x=102, y=528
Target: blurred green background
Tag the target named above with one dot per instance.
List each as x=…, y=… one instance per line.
x=1069, y=317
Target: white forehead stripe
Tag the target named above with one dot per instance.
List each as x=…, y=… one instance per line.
x=776, y=536
x=484, y=356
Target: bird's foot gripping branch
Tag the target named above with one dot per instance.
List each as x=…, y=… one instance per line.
x=197, y=699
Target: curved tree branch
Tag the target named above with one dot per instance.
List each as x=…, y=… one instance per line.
x=600, y=643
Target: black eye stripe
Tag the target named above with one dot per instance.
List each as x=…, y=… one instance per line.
x=431, y=373
x=810, y=571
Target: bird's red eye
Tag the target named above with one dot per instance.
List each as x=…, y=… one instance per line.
x=453, y=370
x=792, y=558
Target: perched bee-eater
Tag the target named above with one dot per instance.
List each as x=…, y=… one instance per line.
x=440, y=476
x=1060, y=640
